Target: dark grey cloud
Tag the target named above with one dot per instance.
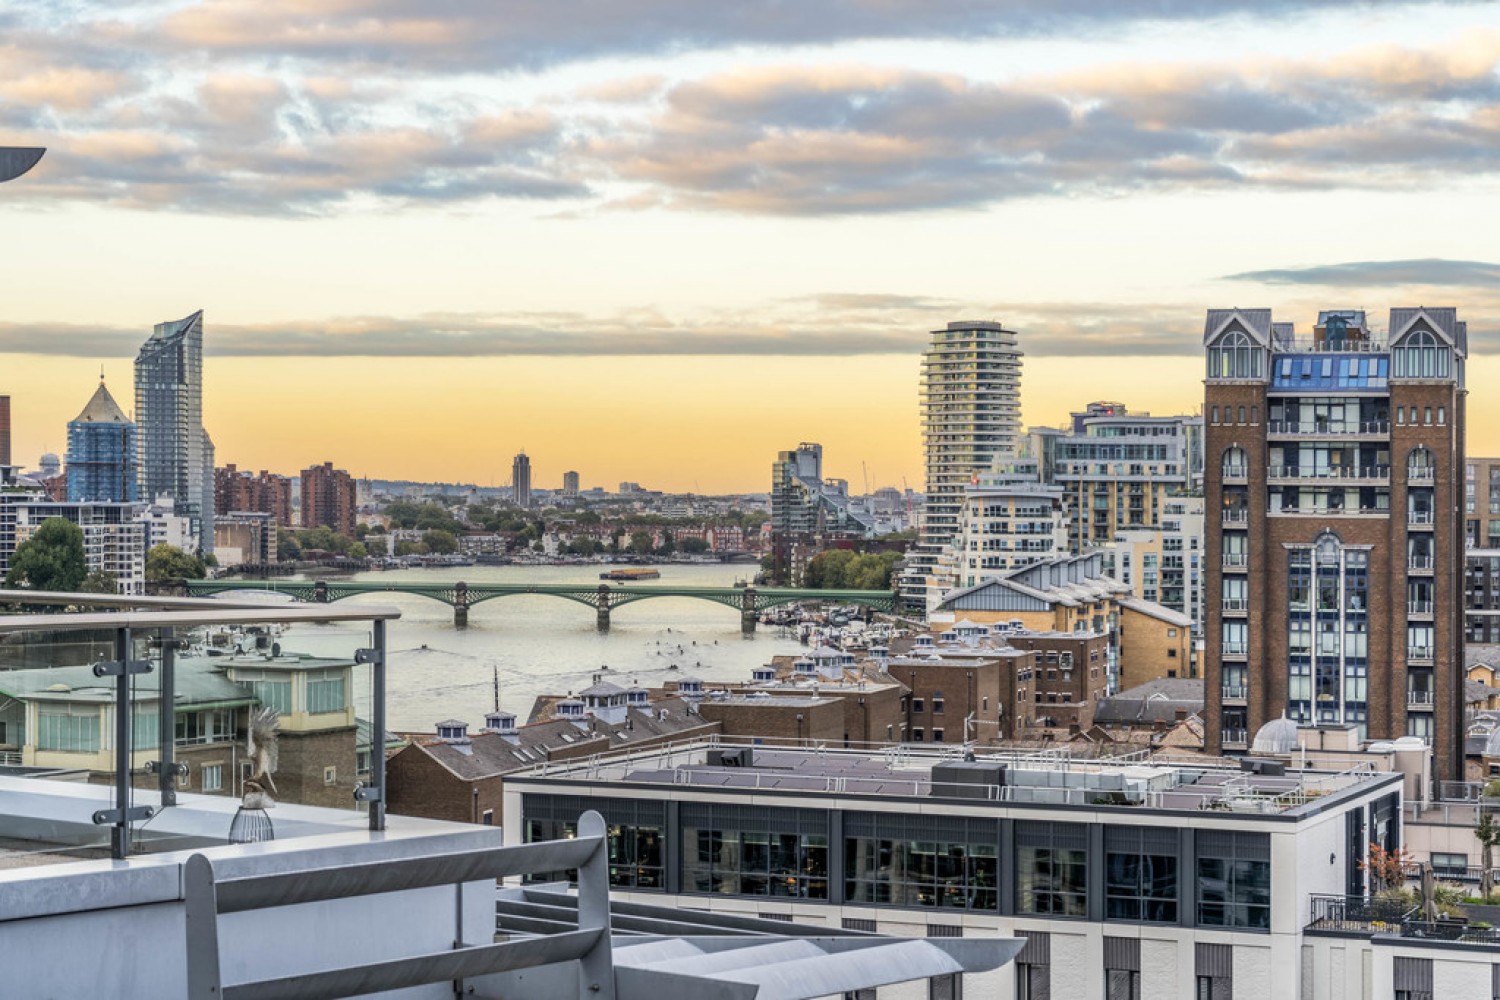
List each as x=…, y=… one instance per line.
x=1434, y=271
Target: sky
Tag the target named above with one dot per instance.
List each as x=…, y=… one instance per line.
x=662, y=240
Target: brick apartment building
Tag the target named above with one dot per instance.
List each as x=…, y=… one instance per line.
x=262, y=493
x=328, y=499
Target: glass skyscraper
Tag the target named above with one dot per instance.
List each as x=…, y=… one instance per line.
x=102, y=452
x=176, y=456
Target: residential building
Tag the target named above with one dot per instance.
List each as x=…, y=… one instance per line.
x=164, y=526
x=1009, y=519
x=570, y=484
x=4, y=430
x=1482, y=596
x=114, y=540
x=102, y=452
x=1118, y=469
x=176, y=455
x=1335, y=462
x=1164, y=563
x=810, y=513
x=970, y=399
x=1125, y=880
x=960, y=694
x=1482, y=503
x=328, y=499
x=245, y=537
x=263, y=492
x=520, y=480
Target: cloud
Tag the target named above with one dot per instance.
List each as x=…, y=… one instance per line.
x=1431, y=271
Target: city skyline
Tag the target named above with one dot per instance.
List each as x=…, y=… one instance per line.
x=1120, y=173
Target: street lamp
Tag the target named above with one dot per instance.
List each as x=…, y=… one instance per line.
x=16, y=160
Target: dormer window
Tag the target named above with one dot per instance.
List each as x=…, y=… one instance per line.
x=1421, y=355
x=1235, y=355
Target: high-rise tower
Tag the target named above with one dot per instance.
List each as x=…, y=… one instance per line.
x=176, y=456
x=520, y=480
x=102, y=452
x=971, y=416
x=1334, y=480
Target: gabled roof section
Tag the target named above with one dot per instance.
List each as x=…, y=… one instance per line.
x=1255, y=322
x=102, y=409
x=1158, y=611
x=1441, y=320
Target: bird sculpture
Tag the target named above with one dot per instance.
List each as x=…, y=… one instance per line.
x=251, y=824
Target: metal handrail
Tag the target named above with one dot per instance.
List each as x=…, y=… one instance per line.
x=1353, y=472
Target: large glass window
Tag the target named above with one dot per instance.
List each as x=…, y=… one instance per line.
x=1420, y=355
x=1051, y=869
x=1140, y=881
x=634, y=832
x=325, y=692
x=1234, y=879
x=73, y=728
x=746, y=851
x=1234, y=356
x=940, y=861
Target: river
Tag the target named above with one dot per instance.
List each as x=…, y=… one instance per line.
x=541, y=645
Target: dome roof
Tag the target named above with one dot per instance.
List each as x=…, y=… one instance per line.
x=1276, y=736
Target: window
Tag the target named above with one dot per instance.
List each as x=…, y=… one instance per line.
x=273, y=694
x=1140, y=880
x=937, y=703
x=489, y=817
x=1234, y=879
x=751, y=851
x=1213, y=968
x=1412, y=978
x=1033, y=966
x=1051, y=868
x=918, y=734
x=633, y=835
x=1234, y=356
x=325, y=692
x=1450, y=865
x=949, y=987
x=68, y=728
x=212, y=777
x=1420, y=355
x=918, y=705
x=937, y=735
x=929, y=861
x=330, y=775
x=1122, y=968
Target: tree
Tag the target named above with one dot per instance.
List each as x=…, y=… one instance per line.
x=358, y=551
x=1487, y=832
x=1387, y=869
x=169, y=563
x=693, y=546
x=640, y=542
x=99, y=582
x=287, y=546
x=51, y=559
x=440, y=542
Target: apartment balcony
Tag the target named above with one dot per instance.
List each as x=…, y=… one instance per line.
x=1235, y=738
x=1419, y=609
x=1363, y=474
x=1421, y=475
x=1418, y=654
x=1236, y=650
x=1236, y=516
x=1423, y=519
x=1420, y=564
x=1330, y=512
x=1234, y=693
x=1236, y=473
x=1420, y=700
x=1236, y=560
x=1369, y=430
x=1236, y=605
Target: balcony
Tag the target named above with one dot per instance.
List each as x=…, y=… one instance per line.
x=1419, y=609
x=1418, y=699
x=1235, y=473
x=1239, y=650
x=1235, y=737
x=1236, y=560
x=1424, y=474
x=1237, y=516
x=1420, y=518
x=1298, y=429
x=1236, y=605
x=1415, y=653
x=1379, y=474
x=1234, y=692
x=1419, y=564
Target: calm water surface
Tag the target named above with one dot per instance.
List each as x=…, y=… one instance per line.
x=542, y=645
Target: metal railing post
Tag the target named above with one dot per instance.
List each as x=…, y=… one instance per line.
x=596, y=976
x=166, y=719
x=377, y=724
x=120, y=834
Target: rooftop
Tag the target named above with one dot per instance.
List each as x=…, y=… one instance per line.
x=1049, y=779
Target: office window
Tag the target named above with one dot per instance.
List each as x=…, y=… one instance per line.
x=1051, y=868
x=752, y=851
x=212, y=777
x=634, y=835
x=1140, y=881
x=910, y=860
x=1234, y=879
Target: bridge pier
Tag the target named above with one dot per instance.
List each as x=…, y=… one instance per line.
x=603, y=608
x=749, y=617
x=460, y=605
x=320, y=591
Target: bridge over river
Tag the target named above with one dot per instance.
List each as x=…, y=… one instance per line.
x=750, y=602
